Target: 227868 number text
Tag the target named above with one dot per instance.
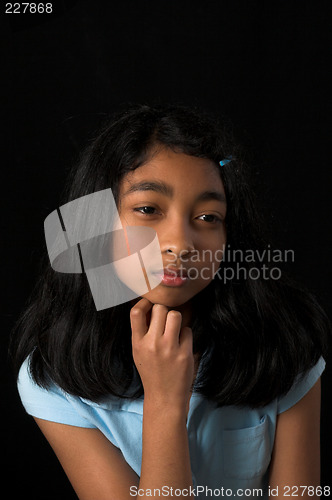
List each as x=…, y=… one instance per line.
x=29, y=8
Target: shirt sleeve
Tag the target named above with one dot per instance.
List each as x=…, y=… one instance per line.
x=301, y=386
x=47, y=404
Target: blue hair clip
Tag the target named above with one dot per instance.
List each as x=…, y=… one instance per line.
x=225, y=161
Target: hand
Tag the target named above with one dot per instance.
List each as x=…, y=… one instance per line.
x=163, y=353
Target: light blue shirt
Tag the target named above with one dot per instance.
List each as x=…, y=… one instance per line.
x=230, y=447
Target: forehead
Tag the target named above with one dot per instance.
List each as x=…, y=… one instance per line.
x=182, y=173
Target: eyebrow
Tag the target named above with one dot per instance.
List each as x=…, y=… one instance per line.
x=167, y=190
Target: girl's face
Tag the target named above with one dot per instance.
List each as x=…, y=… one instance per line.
x=182, y=198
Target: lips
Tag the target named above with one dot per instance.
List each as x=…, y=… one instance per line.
x=173, y=272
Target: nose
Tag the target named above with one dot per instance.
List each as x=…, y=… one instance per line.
x=177, y=239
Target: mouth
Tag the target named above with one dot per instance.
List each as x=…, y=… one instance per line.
x=173, y=272
x=172, y=276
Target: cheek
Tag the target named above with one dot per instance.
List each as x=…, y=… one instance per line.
x=136, y=255
x=218, y=252
x=205, y=264
x=212, y=249
x=130, y=273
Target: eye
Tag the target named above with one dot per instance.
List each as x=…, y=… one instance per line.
x=212, y=219
x=146, y=210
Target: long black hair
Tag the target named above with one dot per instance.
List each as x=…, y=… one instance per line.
x=259, y=333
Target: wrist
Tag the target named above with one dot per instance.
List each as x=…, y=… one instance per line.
x=165, y=408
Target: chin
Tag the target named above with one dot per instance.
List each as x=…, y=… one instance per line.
x=166, y=298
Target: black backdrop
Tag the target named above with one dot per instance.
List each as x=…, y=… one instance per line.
x=262, y=64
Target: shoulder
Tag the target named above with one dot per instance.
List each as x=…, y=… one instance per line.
x=296, y=453
x=301, y=386
x=48, y=403
x=111, y=414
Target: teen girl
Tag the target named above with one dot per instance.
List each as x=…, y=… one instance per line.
x=202, y=385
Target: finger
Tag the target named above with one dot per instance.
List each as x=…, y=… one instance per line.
x=138, y=318
x=158, y=320
x=173, y=326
